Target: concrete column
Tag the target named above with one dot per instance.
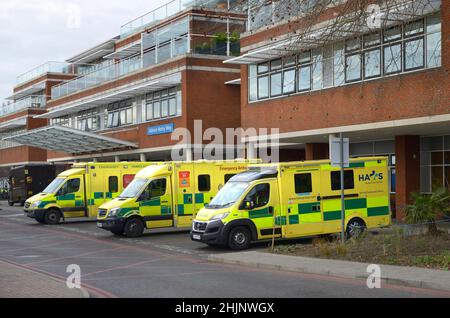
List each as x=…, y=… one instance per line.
x=116, y=158
x=317, y=151
x=95, y=160
x=252, y=153
x=143, y=157
x=407, y=151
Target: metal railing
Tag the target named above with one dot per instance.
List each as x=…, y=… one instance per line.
x=169, y=9
x=29, y=102
x=49, y=67
x=96, y=77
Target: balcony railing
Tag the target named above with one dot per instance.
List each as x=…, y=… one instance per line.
x=169, y=9
x=96, y=77
x=29, y=102
x=49, y=67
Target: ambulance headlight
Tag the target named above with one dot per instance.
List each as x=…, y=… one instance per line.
x=35, y=204
x=220, y=216
x=114, y=212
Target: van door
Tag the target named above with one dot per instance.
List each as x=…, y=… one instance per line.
x=71, y=197
x=301, y=193
x=155, y=204
x=262, y=203
x=185, y=195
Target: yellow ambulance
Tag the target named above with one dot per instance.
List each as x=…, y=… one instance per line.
x=79, y=192
x=293, y=200
x=167, y=195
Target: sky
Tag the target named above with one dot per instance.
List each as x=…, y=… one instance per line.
x=33, y=32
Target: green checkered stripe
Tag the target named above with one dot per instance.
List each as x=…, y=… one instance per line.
x=69, y=197
x=185, y=206
x=98, y=198
x=368, y=207
x=155, y=204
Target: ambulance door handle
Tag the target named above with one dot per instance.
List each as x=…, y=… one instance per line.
x=271, y=210
x=319, y=198
x=289, y=211
x=164, y=202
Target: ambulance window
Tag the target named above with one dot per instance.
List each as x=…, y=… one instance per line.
x=157, y=188
x=349, y=180
x=303, y=183
x=113, y=183
x=72, y=186
x=228, y=177
x=260, y=195
x=204, y=183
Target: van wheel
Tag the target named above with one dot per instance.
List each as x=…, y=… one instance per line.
x=355, y=228
x=52, y=217
x=134, y=228
x=239, y=238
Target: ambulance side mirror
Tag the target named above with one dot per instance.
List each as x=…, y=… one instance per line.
x=249, y=205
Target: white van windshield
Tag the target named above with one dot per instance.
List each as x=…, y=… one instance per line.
x=54, y=186
x=133, y=189
x=228, y=195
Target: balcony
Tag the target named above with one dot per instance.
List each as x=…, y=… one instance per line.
x=193, y=34
x=29, y=102
x=49, y=67
x=172, y=8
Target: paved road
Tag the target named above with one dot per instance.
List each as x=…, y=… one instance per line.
x=159, y=265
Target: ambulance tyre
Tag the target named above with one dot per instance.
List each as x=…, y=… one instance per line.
x=355, y=228
x=52, y=217
x=239, y=238
x=134, y=228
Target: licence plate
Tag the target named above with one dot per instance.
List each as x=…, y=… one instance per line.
x=197, y=237
x=99, y=224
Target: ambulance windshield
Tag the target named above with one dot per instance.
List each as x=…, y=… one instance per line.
x=54, y=186
x=133, y=189
x=228, y=195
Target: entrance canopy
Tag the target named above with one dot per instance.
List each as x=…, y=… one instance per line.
x=69, y=140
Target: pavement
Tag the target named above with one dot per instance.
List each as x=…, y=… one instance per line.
x=394, y=275
x=18, y=282
x=160, y=264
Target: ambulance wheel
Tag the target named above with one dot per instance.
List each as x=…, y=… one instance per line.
x=134, y=228
x=239, y=238
x=355, y=228
x=52, y=216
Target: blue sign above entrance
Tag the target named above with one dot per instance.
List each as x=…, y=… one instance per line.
x=161, y=129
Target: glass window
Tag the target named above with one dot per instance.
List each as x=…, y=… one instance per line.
x=434, y=50
x=353, y=44
x=113, y=184
x=289, y=61
x=414, y=28
x=303, y=183
x=275, y=65
x=71, y=186
x=253, y=84
x=275, y=84
x=414, y=54
x=149, y=111
x=339, y=64
x=289, y=81
x=155, y=189
x=349, y=180
x=304, y=78
x=393, y=34
x=372, y=63
x=317, y=70
x=263, y=87
x=371, y=40
x=259, y=195
x=173, y=107
x=392, y=59
x=304, y=57
x=157, y=110
x=263, y=68
x=165, y=108
x=353, y=67
x=204, y=183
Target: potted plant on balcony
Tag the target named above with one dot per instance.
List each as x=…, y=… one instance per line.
x=220, y=43
x=204, y=48
x=235, y=47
